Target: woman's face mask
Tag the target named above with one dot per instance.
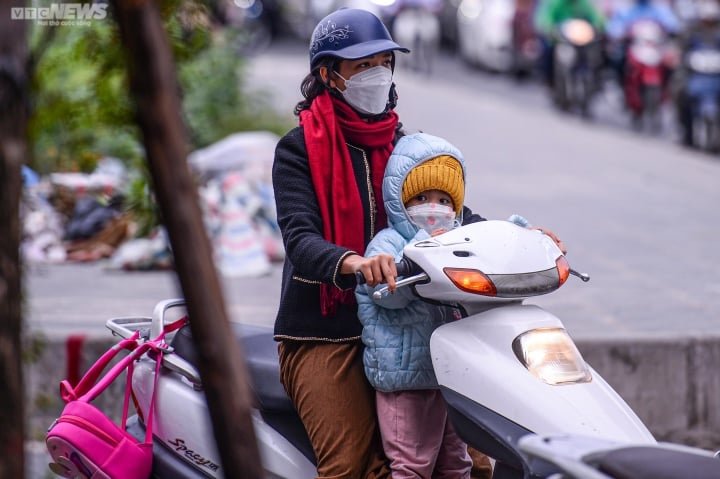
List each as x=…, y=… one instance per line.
x=369, y=90
x=432, y=216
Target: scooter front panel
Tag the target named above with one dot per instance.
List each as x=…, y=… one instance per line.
x=496, y=248
x=474, y=357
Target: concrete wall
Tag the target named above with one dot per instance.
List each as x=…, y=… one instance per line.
x=673, y=384
x=46, y=365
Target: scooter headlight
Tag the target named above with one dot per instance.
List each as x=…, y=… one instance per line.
x=704, y=61
x=578, y=32
x=551, y=356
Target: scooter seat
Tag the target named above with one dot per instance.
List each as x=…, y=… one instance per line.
x=261, y=357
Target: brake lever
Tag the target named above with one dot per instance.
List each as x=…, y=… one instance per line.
x=403, y=282
x=583, y=276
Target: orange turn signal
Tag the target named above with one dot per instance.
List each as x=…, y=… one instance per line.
x=563, y=268
x=471, y=280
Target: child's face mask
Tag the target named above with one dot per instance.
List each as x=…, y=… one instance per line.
x=432, y=216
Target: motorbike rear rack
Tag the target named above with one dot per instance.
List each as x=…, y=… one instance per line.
x=125, y=327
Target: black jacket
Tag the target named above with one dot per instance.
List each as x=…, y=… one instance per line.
x=311, y=260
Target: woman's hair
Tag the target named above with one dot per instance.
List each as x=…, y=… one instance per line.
x=312, y=85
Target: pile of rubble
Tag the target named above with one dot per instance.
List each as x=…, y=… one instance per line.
x=83, y=217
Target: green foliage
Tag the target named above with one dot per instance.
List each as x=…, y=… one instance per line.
x=214, y=102
x=81, y=109
x=140, y=201
x=213, y=110
x=34, y=348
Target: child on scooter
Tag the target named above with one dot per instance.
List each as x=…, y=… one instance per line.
x=423, y=190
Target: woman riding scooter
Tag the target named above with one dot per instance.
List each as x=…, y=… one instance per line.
x=327, y=177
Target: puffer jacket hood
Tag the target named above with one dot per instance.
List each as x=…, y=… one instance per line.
x=409, y=152
x=397, y=327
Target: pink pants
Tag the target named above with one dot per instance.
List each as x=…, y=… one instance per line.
x=418, y=438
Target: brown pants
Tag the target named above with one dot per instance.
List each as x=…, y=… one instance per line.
x=482, y=468
x=327, y=384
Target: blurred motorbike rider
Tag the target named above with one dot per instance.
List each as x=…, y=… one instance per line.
x=327, y=177
x=618, y=28
x=550, y=14
x=392, y=10
x=416, y=23
x=619, y=24
x=704, y=32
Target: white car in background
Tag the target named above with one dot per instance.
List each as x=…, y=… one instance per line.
x=484, y=33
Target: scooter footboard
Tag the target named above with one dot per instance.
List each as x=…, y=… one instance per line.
x=494, y=435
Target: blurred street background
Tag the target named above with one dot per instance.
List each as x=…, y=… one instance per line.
x=632, y=197
x=636, y=209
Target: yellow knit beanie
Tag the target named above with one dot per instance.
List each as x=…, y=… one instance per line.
x=442, y=173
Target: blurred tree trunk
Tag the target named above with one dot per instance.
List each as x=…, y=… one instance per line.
x=156, y=95
x=13, y=148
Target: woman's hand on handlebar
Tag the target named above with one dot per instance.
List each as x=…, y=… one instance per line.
x=376, y=269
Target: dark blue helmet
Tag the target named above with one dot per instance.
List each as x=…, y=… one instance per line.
x=350, y=33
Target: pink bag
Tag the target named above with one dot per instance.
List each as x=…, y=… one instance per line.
x=83, y=441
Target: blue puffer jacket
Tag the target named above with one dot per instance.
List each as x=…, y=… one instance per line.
x=397, y=328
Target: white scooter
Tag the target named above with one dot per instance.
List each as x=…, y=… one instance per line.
x=507, y=370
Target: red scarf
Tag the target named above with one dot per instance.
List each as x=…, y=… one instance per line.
x=328, y=124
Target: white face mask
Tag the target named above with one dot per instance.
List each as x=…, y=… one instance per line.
x=369, y=90
x=432, y=216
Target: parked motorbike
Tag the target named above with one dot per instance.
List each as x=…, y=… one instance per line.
x=702, y=92
x=506, y=369
x=648, y=63
x=576, y=64
x=581, y=457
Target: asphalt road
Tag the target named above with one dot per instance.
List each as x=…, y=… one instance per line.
x=79, y=298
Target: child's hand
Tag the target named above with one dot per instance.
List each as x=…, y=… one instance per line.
x=438, y=232
x=554, y=237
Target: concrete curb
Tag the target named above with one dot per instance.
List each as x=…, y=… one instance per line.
x=673, y=384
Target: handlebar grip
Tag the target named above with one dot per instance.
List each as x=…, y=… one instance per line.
x=404, y=268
